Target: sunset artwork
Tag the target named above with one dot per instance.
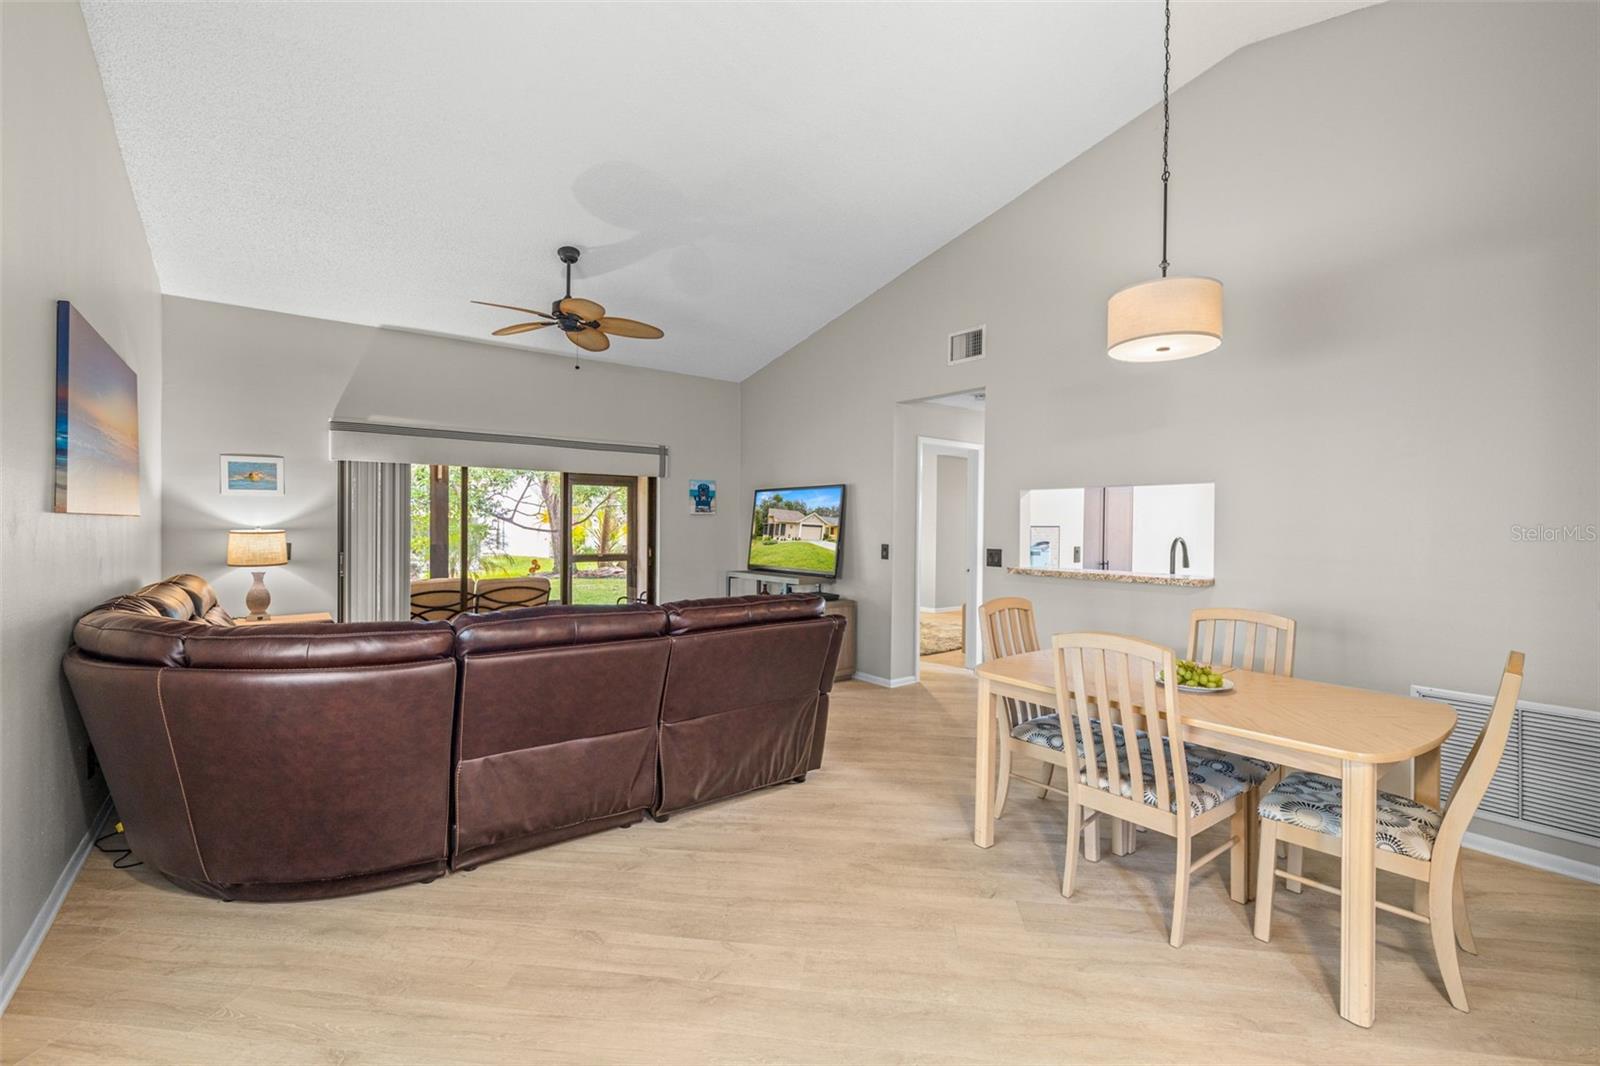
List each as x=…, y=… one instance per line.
x=97, y=422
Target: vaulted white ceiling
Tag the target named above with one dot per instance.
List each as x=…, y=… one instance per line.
x=738, y=174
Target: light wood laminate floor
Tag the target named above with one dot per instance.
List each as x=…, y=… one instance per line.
x=846, y=919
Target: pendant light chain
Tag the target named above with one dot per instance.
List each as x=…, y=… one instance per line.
x=1166, y=131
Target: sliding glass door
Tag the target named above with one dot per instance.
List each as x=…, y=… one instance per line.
x=439, y=583
x=602, y=512
x=582, y=532
x=520, y=517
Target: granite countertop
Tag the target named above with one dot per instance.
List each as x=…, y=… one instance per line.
x=1117, y=576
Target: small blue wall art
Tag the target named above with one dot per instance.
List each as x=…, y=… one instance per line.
x=702, y=496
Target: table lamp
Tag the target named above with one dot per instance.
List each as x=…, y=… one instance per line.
x=253, y=548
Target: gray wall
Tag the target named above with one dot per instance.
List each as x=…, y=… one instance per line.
x=1402, y=204
x=71, y=232
x=242, y=380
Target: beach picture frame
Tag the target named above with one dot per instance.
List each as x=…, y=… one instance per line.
x=251, y=475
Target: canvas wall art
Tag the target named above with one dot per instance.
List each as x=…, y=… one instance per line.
x=702, y=496
x=97, y=422
x=252, y=475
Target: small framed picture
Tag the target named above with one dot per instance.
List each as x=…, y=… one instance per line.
x=252, y=475
x=702, y=496
x=1044, y=547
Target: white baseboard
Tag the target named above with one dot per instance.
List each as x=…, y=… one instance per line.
x=17, y=965
x=884, y=682
x=942, y=610
x=942, y=668
x=1539, y=860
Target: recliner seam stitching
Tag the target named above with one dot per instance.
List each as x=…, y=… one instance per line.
x=183, y=792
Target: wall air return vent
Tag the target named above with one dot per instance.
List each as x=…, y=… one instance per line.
x=967, y=346
x=1546, y=781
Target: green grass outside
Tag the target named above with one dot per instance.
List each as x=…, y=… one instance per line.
x=792, y=555
x=604, y=590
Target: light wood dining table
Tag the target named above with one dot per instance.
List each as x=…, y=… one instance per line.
x=1345, y=733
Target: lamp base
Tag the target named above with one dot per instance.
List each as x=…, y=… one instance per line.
x=258, y=599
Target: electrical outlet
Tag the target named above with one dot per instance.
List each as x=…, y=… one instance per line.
x=991, y=556
x=883, y=551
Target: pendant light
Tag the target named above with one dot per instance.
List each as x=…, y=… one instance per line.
x=1168, y=318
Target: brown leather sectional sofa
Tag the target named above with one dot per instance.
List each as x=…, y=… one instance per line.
x=301, y=761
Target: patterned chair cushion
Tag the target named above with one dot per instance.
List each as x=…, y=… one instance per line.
x=1251, y=771
x=1315, y=802
x=1044, y=731
x=1209, y=784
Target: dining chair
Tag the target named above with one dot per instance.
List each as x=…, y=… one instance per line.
x=502, y=593
x=1413, y=840
x=1009, y=629
x=1140, y=771
x=435, y=599
x=1270, y=634
x=1027, y=729
x=1247, y=632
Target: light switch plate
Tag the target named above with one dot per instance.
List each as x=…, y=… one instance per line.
x=883, y=551
x=992, y=556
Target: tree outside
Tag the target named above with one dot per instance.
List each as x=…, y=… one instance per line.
x=514, y=526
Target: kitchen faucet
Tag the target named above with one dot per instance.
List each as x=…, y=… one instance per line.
x=1172, y=555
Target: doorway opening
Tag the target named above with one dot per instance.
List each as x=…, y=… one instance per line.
x=949, y=525
x=948, y=576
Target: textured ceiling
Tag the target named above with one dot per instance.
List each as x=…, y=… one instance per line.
x=739, y=174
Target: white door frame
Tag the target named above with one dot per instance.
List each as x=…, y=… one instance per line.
x=932, y=447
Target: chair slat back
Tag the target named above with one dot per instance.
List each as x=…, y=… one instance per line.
x=1009, y=629
x=437, y=599
x=1110, y=680
x=502, y=593
x=1270, y=635
x=1478, y=769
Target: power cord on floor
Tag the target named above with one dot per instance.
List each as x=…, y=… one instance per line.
x=123, y=854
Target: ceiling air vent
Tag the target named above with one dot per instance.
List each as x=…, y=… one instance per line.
x=967, y=346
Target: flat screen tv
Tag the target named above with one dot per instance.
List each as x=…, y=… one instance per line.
x=798, y=531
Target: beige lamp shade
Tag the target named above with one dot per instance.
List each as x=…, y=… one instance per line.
x=1169, y=318
x=257, y=547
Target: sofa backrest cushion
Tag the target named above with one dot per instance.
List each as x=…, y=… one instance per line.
x=199, y=589
x=131, y=604
x=318, y=645
x=132, y=629
x=525, y=628
x=173, y=601
x=724, y=612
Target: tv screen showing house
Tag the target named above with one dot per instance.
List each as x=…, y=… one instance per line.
x=798, y=531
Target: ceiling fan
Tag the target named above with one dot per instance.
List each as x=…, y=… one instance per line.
x=585, y=322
